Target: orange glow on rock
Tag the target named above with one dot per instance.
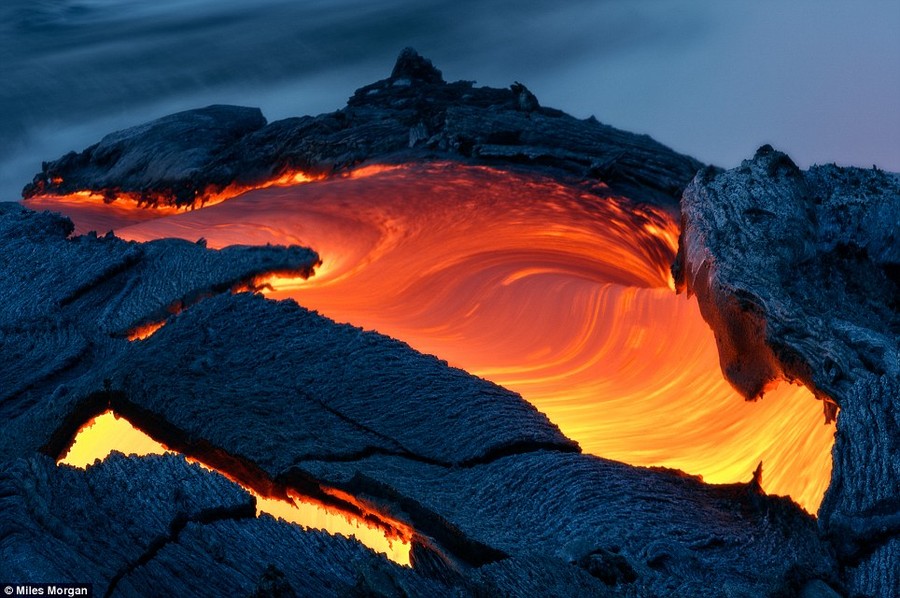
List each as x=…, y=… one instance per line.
x=113, y=209
x=144, y=331
x=540, y=287
x=107, y=432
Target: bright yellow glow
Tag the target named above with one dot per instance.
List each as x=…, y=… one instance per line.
x=312, y=515
x=107, y=432
x=542, y=288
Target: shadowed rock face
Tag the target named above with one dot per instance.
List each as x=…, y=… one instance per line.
x=413, y=114
x=168, y=155
x=796, y=272
x=802, y=267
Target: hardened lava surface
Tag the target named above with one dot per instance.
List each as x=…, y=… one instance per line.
x=797, y=273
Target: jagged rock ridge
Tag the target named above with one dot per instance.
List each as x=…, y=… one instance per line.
x=413, y=114
x=797, y=273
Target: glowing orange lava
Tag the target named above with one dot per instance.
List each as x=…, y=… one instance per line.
x=109, y=211
x=542, y=288
x=107, y=432
x=103, y=212
x=144, y=331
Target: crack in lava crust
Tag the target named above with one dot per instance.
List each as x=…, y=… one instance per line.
x=107, y=432
x=543, y=288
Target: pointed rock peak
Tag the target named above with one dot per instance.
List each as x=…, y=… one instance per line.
x=756, y=482
x=525, y=100
x=411, y=65
x=776, y=162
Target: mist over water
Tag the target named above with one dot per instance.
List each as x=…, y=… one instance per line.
x=712, y=79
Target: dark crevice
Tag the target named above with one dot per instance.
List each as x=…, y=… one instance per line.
x=856, y=538
x=59, y=443
x=204, y=517
x=521, y=447
x=365, y=453
x=493, y=454
x=360, y=426
x=249, y=282
x=129, y=259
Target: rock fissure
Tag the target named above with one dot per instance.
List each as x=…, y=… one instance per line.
x=176, y=527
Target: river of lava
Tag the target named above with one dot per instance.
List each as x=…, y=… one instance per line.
x=541, y=287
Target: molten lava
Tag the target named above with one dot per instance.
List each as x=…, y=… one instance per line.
x=107, y=432
x=108, y=211
x=543, y=288
x=144, y=331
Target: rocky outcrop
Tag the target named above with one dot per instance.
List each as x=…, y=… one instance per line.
x=168, y=156
x=159, y=526
x=413, y=114
x=797, y=274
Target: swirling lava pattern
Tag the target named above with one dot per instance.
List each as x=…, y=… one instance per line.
x=543, y=288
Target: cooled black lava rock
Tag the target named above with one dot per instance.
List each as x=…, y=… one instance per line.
x=796, y=272
x=169, y=155
x=674, y=534
x=63, y=524
x=410, y=65
x=801, y=267
x=317, y=390
x=413, y=114
x=157, y=526
x=69, y=302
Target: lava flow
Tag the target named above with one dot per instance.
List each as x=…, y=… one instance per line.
x=107, y=432
x=110, y=210
x=543, y=288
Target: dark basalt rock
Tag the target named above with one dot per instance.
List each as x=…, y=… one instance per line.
x=796, y=272
x=413, y=114
x=68, y=303
x=661, y=533
x=608, y=566
x=168, y=155
x=410, y=65
x=63, y=524
x=330, y=391
x=159, y=526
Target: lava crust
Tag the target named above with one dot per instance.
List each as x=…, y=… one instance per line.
x=796, y=271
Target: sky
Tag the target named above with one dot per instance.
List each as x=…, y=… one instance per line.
x=713, y=79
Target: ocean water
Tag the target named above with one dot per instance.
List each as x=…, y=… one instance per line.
x=820, y=80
